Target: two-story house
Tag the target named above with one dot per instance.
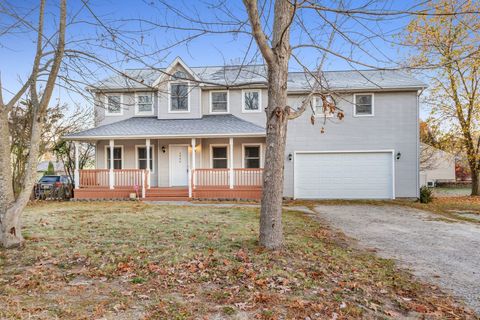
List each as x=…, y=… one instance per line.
x=198, y=132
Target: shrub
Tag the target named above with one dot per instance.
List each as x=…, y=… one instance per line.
x=426, y=195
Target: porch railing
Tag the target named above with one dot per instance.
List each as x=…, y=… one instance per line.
x=220, y=178
x=100, y=178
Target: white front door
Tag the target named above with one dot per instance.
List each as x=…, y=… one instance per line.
x=178, y=166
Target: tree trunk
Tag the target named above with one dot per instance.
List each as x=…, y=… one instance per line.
x=271, y=231
x=475, y=185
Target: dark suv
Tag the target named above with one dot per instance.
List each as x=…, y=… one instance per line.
x=53, y=187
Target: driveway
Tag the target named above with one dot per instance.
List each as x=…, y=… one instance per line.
x=443, y=253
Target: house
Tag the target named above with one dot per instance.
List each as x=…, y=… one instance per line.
x=199, y=132
x=435, y=166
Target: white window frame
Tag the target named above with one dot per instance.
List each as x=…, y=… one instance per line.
x=211, y=101
x=107, y=113
x=355, y=105
x=260, y=145
x=152, y=156
x=137, y=112
x=320, y=114
x=107, y=153
x=259, y=100
x=170, y=96
x=228, y=154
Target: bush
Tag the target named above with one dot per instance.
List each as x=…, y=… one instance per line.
x=425, y=194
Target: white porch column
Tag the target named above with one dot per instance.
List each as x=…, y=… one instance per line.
x=194, y=144
x=147, y=145
x=111, y=175
x=77, y=173
x=231, y=162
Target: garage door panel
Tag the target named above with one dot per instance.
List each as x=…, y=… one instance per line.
x=343, y=175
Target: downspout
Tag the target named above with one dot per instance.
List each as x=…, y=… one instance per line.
x=419, y=92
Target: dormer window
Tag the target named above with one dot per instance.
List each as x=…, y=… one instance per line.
x=144, y=104
x=179, y=97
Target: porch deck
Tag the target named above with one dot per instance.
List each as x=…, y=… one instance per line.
x=203, y=184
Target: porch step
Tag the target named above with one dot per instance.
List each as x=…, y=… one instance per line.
x=167, y=193
x=172, y=198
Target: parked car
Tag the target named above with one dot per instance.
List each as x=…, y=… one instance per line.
x=53, y=187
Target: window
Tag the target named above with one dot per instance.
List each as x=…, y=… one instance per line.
x=251, y=156
x=179, y=97
x=219, y=157
x=319, y=112
x=142, y=157
x=218, y=101
x=180, y=75
x=117, y=157
x=251, y=101
x=363, y=105
x=144, y=104
x=114, y=105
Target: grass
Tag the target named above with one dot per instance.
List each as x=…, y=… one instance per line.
x=125, y=260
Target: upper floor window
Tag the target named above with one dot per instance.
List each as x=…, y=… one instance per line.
x=251, y=100
x=114, y=104
x=144, y=104
x=180, y=75
x=218, y=101
x=179, y=97
x=363, y=105
x=319, y=108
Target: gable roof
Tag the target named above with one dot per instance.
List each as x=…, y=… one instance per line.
x=237, y=75
x=145, y=127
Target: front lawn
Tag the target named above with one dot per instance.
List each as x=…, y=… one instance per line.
x=125, y=260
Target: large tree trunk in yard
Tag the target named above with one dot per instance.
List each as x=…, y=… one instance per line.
x=475, y=185
x=271, y=233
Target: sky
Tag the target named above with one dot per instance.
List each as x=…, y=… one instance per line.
x=87, y=32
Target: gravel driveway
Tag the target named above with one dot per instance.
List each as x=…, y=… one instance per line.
x=439, y=252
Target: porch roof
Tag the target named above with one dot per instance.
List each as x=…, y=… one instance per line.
x=151, y=127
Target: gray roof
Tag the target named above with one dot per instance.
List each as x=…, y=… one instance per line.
x=256, y=74
x=144, y=127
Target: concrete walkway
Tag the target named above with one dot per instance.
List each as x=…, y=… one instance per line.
x=443, y=253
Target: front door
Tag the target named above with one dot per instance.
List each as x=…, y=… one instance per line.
x=178, y=166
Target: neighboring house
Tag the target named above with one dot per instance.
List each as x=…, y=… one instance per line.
x=42, y=167
x=435, y=166
x=200, y=133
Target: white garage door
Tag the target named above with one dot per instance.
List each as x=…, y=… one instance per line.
x=343, y=175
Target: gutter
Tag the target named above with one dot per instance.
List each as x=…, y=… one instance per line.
x=166, y=136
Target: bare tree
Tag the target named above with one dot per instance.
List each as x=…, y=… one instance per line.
x=11, y=207
x=450, y=44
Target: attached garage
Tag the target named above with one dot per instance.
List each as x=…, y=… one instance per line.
x=344, y=175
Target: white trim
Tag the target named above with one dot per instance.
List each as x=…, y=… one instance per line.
x=107, y=113
x=170, y=161
x=106, y=155
x=355, y=105
x=392, y=151
x=252, y=144
x=211, y=102
x=259, y=100
x=169, y=96
x=320, y=115
x=174, y=136
x=174, y=63
x=152, y=154
x=138, y=113
x=211, y=146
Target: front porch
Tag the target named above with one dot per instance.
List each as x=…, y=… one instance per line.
x=176, y=169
